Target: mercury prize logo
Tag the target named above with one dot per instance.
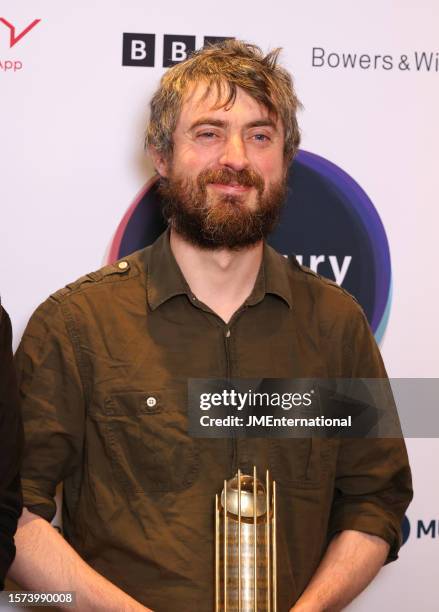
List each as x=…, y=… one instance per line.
x=328, y=222
x=405, y=527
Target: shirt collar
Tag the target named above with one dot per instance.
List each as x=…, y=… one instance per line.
x=272, y=278
x=165, y=279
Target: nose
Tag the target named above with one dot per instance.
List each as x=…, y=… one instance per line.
x=234, y=154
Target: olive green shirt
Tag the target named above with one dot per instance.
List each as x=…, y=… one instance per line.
x=138, y=493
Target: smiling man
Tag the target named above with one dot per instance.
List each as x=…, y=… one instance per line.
x=226, y=178
x=104, y=365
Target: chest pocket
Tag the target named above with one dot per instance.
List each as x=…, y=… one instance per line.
x=299, y=462
x=148, y=443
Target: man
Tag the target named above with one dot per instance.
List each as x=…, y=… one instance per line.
x=11, y=443
x=104, y=366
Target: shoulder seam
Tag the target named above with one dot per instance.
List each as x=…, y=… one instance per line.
x=94, y=279
x=327, y=281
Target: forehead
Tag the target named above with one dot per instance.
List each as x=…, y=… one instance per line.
x=203, y=100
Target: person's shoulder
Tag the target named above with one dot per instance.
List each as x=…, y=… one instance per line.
x=120, y=271
x=5, y=324
x=310, y=287
x=89, y=297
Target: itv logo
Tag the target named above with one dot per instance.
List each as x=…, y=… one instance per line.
x=14, y=36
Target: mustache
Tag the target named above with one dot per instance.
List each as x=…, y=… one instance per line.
x=246, y=177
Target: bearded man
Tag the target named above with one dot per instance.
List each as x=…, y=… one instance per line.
x=104, y=365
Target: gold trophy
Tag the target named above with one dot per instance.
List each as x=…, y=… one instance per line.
x=245, y=545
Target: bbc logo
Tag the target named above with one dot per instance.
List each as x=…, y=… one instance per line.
x=139, y=49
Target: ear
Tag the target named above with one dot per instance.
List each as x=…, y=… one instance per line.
x=161, y=163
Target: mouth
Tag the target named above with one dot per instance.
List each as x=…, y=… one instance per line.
x=230, y=188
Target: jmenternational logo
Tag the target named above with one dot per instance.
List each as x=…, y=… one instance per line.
x=415, y=61
x=328, y=222
x=11, y=34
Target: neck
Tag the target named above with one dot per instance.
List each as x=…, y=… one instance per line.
x=221, y=279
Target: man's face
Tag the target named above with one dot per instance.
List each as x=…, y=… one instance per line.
x=225, y=182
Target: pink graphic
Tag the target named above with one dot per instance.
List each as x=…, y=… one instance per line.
x=113, y=253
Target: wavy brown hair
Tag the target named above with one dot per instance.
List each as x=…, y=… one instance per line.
x=225, y=67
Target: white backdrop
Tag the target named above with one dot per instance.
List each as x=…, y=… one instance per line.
x=72, y=122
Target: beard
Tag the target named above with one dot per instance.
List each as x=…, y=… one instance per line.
x=215, y=220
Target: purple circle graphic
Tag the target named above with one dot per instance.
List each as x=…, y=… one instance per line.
x=327, y=220
x=359, y=205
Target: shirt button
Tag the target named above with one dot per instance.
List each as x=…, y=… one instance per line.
x=122, y=265
x=228, y=333
x=151, y=401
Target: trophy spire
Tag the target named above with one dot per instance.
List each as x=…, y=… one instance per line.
x=245, y=545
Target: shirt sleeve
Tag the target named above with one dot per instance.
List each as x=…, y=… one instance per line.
x=52, y=406
x=373, y=485
x=11, y=444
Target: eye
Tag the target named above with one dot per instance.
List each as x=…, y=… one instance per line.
x=207, y=135
x=261, y=137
